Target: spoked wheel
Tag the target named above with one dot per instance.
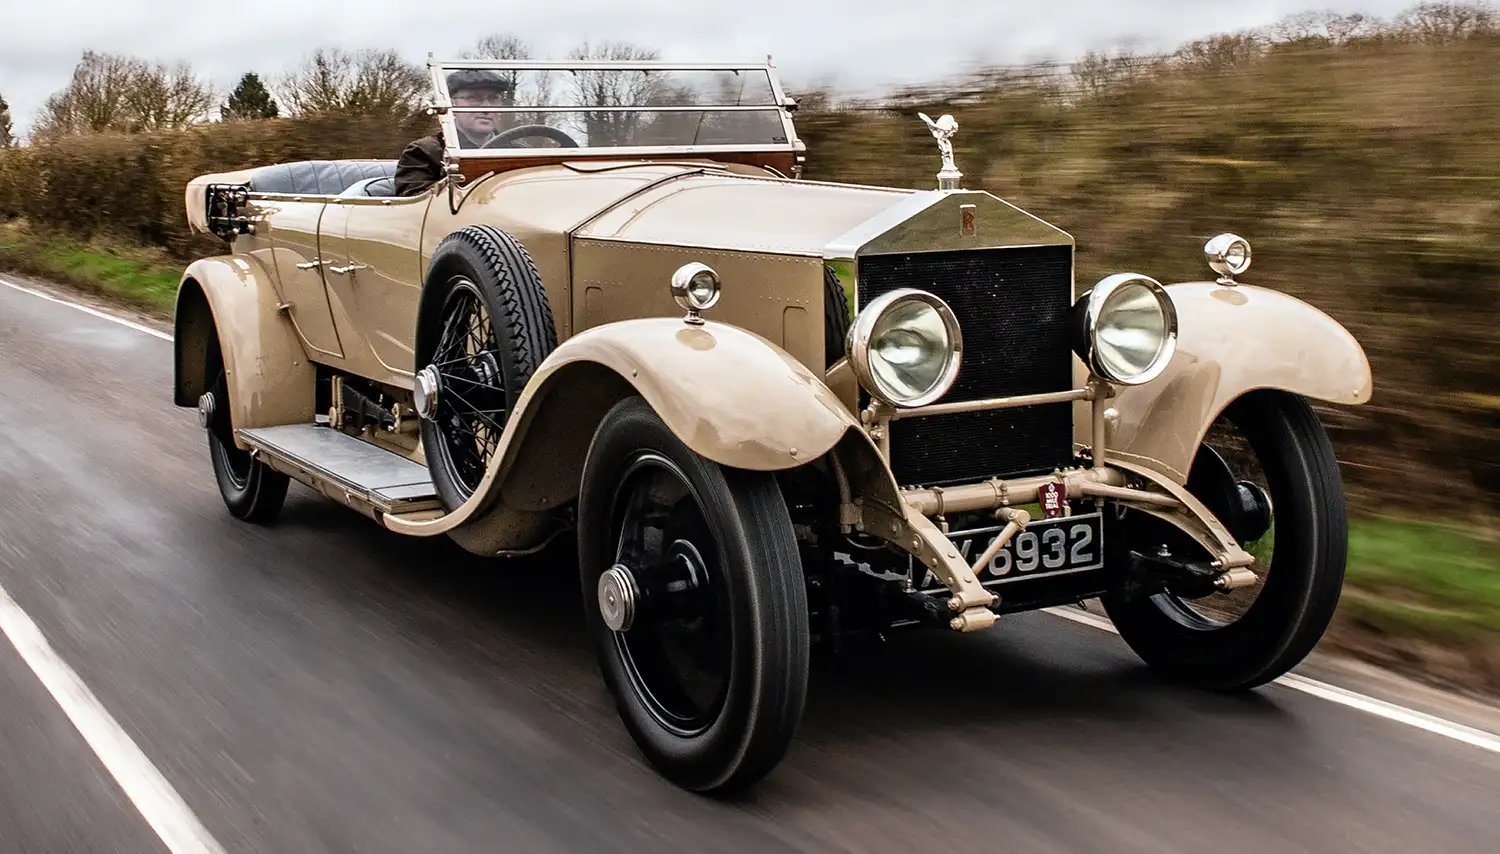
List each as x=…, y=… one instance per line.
x=694, y=596
x=1268, y=471
x=251, y=490
x=483, y=327
x=471, y=409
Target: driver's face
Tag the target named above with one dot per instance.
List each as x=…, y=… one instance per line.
x=478, y=126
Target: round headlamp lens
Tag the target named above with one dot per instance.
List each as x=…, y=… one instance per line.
x=909, y=349
x=1228, y=254
x=1128, y=329
x=1237, y=256
x=1132, y=331
x=905, y=348
x=702, y=288
x=695, y=286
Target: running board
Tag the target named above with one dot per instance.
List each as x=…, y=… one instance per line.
x=349, y=470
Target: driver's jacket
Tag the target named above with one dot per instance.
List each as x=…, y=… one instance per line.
x=420, y=166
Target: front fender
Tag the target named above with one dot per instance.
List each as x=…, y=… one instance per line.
x=270, y=378
x=728, y=394
x=1231, y=340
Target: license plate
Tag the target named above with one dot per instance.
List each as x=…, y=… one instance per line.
x=1046, y=547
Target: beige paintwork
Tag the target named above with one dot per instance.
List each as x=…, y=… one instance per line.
x=694, y=377
x=270, y=378
x=747, y=390
x=1233, y=339
x=373, y=277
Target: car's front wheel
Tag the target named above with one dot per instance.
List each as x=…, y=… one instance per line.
x=1267, y=469
x=253, y=491
x=695, y=599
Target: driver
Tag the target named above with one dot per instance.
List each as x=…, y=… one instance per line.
x=421, y=163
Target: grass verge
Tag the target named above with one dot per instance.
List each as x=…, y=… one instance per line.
x=1423, y=598
x=143, y=278
x=1423, y=579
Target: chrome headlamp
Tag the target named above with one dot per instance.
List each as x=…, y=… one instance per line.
x=1125, y=328
x=905, y=348
x=696, y=288
x=1228, y=255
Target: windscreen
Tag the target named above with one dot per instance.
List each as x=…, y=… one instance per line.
x=611, y=107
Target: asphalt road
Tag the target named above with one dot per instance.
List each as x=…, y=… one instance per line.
x=323, y=685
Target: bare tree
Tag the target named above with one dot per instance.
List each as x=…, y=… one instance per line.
x=162, y=97
x=93, y=101
x=1221, y=52
x=1097, y=72
x=1342, y=29
x=615, y=88
x=1324, y=27
x=498, y=46
x=110, y=92
x=1440, y=23
x=366, y=82
x=530, y=87
x=7, y=129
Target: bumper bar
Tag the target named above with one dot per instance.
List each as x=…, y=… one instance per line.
x=911, y=528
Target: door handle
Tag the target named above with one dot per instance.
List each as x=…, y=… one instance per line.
x=310, y=264
x=342, y=270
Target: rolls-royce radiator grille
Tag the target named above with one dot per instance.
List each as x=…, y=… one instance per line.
x=1012, y=305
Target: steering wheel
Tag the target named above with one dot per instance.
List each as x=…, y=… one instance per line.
x=506, y=137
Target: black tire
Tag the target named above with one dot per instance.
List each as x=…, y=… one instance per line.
x=478, y=268
x=1301, y=587
x=747, y=592
x=251, y=490
x=836, y=318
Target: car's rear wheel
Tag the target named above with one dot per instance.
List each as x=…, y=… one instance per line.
x=1268, y=471
x=253, y=491
x=483, y=327
x=695, y=600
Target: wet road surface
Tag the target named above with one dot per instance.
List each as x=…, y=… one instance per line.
x=323, y=685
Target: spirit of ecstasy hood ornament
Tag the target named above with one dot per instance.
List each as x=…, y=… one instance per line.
x=943, y=130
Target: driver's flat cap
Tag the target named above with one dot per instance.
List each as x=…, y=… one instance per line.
x=481, y=78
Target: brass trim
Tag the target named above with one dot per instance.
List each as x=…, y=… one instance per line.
x=960, y=407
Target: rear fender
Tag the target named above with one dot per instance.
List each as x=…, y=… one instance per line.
x=1232, y=340
x=728, y=394
x=230, y=299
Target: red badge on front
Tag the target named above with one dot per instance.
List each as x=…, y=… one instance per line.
x=1051, y=497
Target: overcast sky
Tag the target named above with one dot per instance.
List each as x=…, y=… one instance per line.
x=853, y=44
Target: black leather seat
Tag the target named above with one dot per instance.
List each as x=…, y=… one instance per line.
x=318, y=177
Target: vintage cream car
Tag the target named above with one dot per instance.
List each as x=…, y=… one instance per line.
x=772, y=411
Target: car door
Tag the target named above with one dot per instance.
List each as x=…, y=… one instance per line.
x=293, y=236
x=373, y=266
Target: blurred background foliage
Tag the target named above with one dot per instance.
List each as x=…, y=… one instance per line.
x=1361, y=157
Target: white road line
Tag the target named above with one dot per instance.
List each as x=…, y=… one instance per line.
x=95, y=312
x=1334, y=694
x=1390, y=711
x=157, y=801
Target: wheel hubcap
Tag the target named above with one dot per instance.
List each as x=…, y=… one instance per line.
x=617, y=598
x=677, y=655
x=466, y=388
x=206, y=409
x=1254, y=511
x=425, y=392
